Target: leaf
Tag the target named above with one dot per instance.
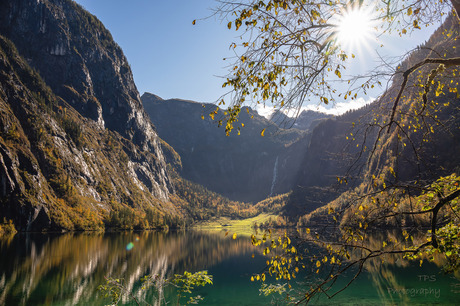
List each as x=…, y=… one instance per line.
x=229, y=25
x=262, y=133
x=337, y=73
x=409, y=11
x=193, y=22
x=234, y=236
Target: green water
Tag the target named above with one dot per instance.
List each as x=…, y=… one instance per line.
x=47, y=269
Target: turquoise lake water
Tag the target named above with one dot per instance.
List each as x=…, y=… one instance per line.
x=66, y=269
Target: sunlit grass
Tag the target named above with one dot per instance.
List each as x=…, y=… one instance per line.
x=241, y=227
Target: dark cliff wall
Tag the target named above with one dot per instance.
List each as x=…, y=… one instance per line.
x=76, y=142
x=245, y=167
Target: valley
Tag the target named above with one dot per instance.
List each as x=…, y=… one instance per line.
x=122, y=183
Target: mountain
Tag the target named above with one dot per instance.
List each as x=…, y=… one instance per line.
x=76, y=146
x=359, y=147
x=245, y=167
x=306, y=120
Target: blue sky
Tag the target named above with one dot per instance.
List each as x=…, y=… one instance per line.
x=168, y=55
x=172, y=58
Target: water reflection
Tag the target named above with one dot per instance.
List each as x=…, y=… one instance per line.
x=66, y=269
x=400, y=281
x=47, y=269
x=393, y=280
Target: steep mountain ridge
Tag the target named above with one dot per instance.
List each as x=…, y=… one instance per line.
x=245, y=167
x=423, y=147
x=78, y=59
x=76, y=143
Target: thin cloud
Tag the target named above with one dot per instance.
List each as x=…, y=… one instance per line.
x=336, y=110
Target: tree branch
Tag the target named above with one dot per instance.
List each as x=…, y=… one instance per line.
x=455, y=61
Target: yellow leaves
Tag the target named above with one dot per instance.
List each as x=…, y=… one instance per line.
x=308, y=231
x=194, y=22
x=314, y=14
x=416, y=26
x=238, y=23
x=392, y=171
x=252, y=278
x=337, y=73
x=234, y=236
x=409, y=11
x=324, y=100
x=318, y=264
x=266, y=251
x=287, y=238
x=202, y=117
x=439, y=89
x=262, y=133
x=229, y=25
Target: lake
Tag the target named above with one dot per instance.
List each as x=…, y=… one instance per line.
x=66, y=269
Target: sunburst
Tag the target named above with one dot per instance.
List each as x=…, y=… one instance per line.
x=355, y=27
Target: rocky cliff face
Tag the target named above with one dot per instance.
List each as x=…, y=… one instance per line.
x=77, y=57
x=75, y=143
x=245, y=167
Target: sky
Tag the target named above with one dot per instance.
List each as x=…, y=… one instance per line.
x=169, y=56
x=173, y=58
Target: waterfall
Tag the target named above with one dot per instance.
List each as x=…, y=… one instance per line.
x=275, y=174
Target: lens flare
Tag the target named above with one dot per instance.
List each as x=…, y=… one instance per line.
x=355, y=27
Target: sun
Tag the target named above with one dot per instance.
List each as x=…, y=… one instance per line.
x=354, y=27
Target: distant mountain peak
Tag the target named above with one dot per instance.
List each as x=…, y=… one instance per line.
x=151, y=96
x=306, y=120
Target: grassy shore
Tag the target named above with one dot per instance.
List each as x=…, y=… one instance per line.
x=242, y=227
